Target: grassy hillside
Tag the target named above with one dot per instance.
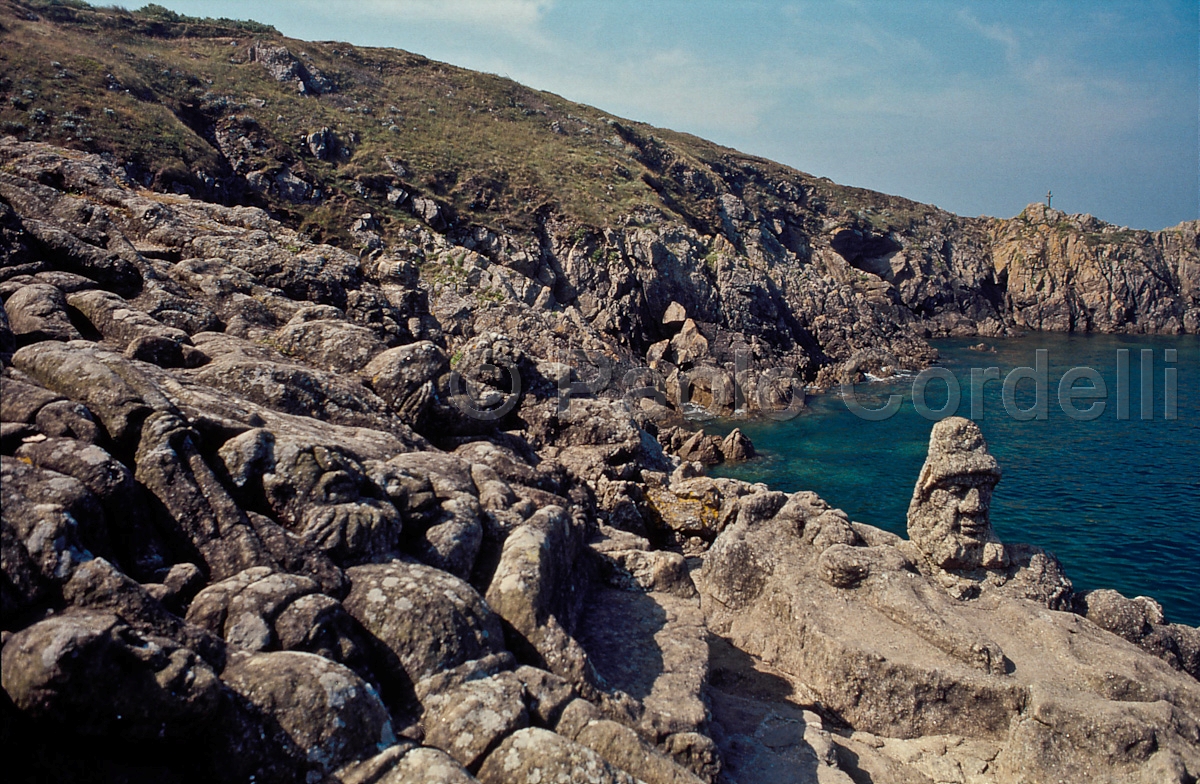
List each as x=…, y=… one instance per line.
x=160, y=92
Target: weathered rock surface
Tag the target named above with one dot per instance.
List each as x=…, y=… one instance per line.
x=406, y=376
x=46, y=518
x=623, y=748
x=260, y=610
x=1140, y=621
x=413, y=766
x=195, y=507
x=284, y=67
x=95, y=674
x=431, y=621
x=538, y=589
x=468, y=721
x=315, y=716
x=536, y=755
x=650, y=646
x=323, y=495
x=38, y=311
x=889, y=642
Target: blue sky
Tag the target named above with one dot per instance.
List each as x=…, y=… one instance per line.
x=978, y=107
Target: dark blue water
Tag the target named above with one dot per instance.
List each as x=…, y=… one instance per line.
x=1117, y=500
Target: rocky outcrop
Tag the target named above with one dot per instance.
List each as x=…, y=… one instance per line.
x=219, y=524
x=950, y=634
x=283, y=66
x=94, y=672
x=1070, y=273
x=1140, y=621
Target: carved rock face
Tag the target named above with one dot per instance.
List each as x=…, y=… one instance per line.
x=948, y=517
x=952, y=527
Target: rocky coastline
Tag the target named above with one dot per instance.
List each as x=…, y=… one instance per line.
x=410, y=497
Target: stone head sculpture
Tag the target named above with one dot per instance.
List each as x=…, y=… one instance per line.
x=948, y=516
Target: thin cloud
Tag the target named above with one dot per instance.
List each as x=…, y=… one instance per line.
x=512, y=16
x=997, y=33
x=671, y=87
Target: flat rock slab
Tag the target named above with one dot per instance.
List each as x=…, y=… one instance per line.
x=652, y=647
x=887, y=657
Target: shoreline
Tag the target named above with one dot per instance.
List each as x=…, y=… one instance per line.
x=1020, y=500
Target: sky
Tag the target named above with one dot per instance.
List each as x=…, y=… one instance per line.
x=977, y=107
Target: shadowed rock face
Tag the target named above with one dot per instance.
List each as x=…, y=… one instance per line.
x=948, y=518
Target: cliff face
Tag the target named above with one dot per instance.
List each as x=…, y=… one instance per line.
x=1075, y=273
x=572, y=208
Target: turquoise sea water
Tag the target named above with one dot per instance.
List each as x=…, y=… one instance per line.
x=1117, y=500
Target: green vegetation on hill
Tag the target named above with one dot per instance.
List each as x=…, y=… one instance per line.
x=170, y=94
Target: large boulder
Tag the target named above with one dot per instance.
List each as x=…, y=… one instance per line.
x=537, y=755
x=119, y=322
x=92, y=672
x=233, y=294
x=283, y=66
x=736, y=446
x=299, y=717
x=406, y=377
x=38, y=311
x=701, y=448
x=428, y=620
x=692, y=509
x=260, y=610
x=1140, y=621
x=50, y=523
x=98, y=586
x=68, y=419
x=652, y=647
x=468, y=721
x=64, y=251
x=120, y=394
x=538, y=590
x=453, y=542
x=136, y=543
x=439, y=497
x=295, y=389
x=625, y=749
x=329, y=344
x=21, y=401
